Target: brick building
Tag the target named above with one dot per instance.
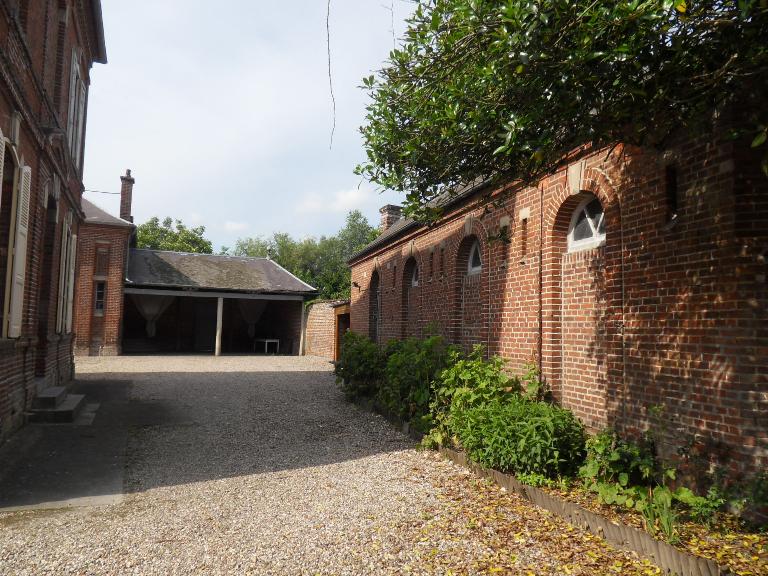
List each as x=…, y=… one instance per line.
x=327, y=322
x=144, y=301
x=102, y=252
x=47, y=49
x=636, y=280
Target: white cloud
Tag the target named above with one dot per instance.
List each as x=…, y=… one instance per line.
x=341, y=201
x=231, y=226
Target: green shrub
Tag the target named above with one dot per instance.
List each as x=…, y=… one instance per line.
x=521, y=436
x=466, y=382
x=411, y=367
x=360, y=368
x=611, y=459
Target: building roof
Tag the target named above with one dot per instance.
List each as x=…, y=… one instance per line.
x=163, y=269
x=95, y=215
x=444, y=200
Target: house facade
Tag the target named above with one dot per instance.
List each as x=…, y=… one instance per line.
x=47, y=49
x=635, y=280
x=102, y=252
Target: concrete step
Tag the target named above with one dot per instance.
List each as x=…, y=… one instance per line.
x=66, y=411
x=50, y=397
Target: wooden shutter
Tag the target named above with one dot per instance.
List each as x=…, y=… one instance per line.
x=71, y=282
x=20, y=254
x=73, y=92
x=64, y=253
x=80, y=126
x=2, y=156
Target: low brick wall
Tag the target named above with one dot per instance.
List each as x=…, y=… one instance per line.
x=320, y=329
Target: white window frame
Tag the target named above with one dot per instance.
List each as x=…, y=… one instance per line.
x=475, y=248
x=597, y=239
x=415, y=276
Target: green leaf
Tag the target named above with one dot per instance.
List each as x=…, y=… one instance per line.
x=760, y=139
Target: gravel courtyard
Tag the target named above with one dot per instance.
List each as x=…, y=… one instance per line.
x=257, y=465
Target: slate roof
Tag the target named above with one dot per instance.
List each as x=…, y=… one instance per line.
x=444, y=200
x=162, y=269
x=95, y=215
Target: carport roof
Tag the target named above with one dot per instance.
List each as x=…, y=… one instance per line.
x=162, y=269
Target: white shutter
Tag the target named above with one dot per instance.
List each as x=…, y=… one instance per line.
x=71, y=282
x=73, y=91
x=20, y=254
x=80, y=126
x=64, y=252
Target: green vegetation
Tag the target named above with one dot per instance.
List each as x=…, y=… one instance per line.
x=172, y=235
x=506, y=87
x=322, y=262
x=518, y=435
x=505, y=422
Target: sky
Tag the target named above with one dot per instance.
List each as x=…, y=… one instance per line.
x=222, y=112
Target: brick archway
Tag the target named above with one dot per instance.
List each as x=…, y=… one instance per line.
x=410, y=299
x=374, y=306
x=581, y=348
x=470, y=306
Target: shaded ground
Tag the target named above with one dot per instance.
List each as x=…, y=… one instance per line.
x=257, y=465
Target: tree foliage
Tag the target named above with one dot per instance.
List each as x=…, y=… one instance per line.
x=172, y=235
x=500, y=88
x=321, y=262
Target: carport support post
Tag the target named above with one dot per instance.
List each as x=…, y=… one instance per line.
x=219, y=317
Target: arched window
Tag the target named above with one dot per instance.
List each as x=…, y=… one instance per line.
x=374, y=306
x=415, y=276
x=587, y=229
x=475, y=261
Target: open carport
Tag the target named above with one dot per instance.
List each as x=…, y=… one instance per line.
x=201, y=303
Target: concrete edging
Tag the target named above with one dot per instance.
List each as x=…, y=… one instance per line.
x=665, y=556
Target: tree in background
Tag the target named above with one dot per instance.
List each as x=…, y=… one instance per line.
x=172, y=235
x=503, y=88
x=321, y=262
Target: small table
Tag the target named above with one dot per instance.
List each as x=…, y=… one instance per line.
x=267, y=342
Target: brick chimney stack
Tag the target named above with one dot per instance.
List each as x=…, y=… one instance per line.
x=389, y=215
x=126, y=196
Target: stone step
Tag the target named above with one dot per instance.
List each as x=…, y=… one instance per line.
x=66, y=411
x=50, y=397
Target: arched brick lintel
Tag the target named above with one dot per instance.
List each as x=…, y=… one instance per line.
x=557, y=221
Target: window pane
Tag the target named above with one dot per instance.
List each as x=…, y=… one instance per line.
x=594, y=209
x=415, y=276
x=476, y=262
x=601, y=225
x=582, y=230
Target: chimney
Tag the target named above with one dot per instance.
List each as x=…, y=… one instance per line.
x=126, y=196
x=389, y=215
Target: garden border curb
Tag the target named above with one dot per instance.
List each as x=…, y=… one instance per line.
x=667, y=557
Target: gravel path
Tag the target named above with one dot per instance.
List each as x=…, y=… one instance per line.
x=258, y=466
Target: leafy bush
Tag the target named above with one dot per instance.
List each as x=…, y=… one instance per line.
x=361, y=366
x=521, y=436
x=466, y=382
x=611, y=459
x=702, y=509
x=411, y=367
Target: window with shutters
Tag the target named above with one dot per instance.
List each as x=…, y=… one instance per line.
x=66, y=276
x=14, y=231
x=76, y=110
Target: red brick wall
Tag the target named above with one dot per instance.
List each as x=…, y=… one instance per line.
x=319, y=330
x=29, y=70
x=100, y=335
x=669, y=314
